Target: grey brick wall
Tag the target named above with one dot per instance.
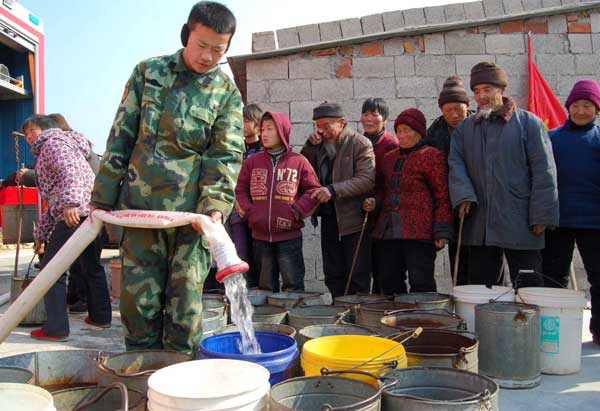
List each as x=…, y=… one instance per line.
x=409, y=71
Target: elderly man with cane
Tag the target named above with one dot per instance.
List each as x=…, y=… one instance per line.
x=345, y=164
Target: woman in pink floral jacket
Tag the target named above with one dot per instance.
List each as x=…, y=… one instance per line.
x=65, y=181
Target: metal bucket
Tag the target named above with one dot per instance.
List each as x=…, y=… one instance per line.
x=509, y=343
x=16, y=374
x=295, y=299
x=429, y=320
x=301, y=317
x=323, y=330
x=68, y=400
x=218, y=305
x=256, y=296
x=211, y=322
x=441, y=348
x=272, y=314
x=369, y=315
x=57, y=370
x=427, y=301
x=37, y=315
x=439, y=389
x=325, y=393
x=133, y=368
x=351, y=301
x=262, y=327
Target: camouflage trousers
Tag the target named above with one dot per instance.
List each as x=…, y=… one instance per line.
x=161, y=288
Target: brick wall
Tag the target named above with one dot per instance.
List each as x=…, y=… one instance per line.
x=409, y=70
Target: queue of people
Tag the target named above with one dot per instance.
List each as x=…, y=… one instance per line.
x=388, y=204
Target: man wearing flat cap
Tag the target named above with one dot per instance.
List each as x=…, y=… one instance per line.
x=503, y=181
x=345, y=164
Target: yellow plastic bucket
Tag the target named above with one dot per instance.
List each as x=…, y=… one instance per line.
x=343, y=352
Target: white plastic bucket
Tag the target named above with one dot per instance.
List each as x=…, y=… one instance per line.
x=561, y=320
x=209, y=385
x=25, y=397
x=468, y=296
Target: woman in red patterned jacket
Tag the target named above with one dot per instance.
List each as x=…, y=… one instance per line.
x=415, y=218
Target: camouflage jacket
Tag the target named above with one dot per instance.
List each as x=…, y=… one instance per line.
x=176, y=143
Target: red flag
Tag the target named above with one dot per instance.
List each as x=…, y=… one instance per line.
x=542, y=101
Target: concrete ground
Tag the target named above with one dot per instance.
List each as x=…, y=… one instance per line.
x=579, y=392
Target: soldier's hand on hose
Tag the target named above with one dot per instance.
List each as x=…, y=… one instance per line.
x=71, y=216
x=214, y=215
x=464, y=208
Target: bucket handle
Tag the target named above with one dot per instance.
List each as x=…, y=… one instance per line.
x=100, y=363
x=384, y=386
x=461, y=358
x=97, y=397
x=299, y=303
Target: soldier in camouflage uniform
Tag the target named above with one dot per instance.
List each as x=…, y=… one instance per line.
x=176, y=144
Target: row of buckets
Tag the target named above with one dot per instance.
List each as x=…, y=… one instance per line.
x=348, y=353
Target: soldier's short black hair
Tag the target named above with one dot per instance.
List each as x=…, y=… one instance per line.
x=376, y=105
x=252, y=112
x=40, y=120
x=213, y=15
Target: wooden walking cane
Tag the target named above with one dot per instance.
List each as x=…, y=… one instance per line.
x=362, y=232
x=457, y=257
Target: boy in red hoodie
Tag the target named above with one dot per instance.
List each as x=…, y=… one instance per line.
x=274, y=191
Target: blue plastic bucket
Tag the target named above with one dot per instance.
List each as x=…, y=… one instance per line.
x=279, y=352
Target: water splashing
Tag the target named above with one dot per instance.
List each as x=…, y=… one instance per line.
x=241, y=312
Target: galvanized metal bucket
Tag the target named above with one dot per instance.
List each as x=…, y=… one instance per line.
x=427, y=301
x=301, y=317
x=370, y=314
x=351, y=301
x=219, y=305
x=211, y=322
x=327, y=393
x=262, y=327
x=509, y=343
x=439, y=389
x=256, y=296
x=295, y=299
x=133, y=368
x=323, y=330
x=16, y=374
x=37, y=315
x=428, y=320
x=442, y=348
x=110, y=400
x=272, y=314
x=57, y=370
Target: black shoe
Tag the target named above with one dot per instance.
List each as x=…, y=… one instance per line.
x=37, y=266
x=596, y=338
x=79, y=307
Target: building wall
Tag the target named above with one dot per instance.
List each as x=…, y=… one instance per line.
x=410, y=71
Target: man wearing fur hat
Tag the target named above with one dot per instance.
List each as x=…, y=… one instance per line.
x=503, y=181
x=454, y=105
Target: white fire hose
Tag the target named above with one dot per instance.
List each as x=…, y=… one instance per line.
x=220, y=246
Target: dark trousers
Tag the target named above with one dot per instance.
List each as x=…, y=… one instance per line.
x=462, y=276
x=485, y=265
x=393, y=258
x=281, y=257
x=242, y=238
x=558, y=255
x=94, y=278
x=338, y=252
